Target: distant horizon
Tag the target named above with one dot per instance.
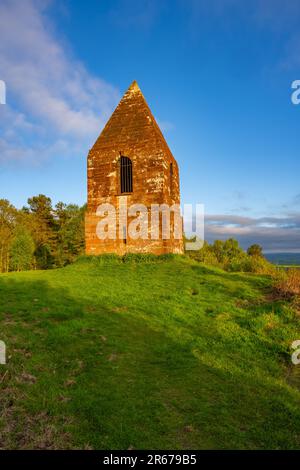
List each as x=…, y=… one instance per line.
x=281, y=252
x=284, y=259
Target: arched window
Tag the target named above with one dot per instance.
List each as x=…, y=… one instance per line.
x=125, y=175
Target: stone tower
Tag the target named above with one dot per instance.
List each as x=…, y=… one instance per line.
x=131, y=163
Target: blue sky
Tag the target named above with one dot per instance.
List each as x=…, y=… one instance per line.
x=217, y=76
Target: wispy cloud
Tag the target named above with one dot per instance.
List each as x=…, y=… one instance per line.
x=165, y=126
x=53, y=97
x=273, y=233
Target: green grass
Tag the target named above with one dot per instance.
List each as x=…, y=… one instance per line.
x=147, y=353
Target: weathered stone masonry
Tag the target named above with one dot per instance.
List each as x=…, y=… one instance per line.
x=132, y=132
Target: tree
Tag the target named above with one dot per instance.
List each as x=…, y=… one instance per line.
x=218, y=249
x=43, y=230
x=57, y=234
x=42, y=206
x=70, y=232
x=22, y=249
x=255, y=250
x=7, y=224
x=232, y=248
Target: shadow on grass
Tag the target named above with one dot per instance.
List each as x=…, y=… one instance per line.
x=254, y=280
x=82, y=375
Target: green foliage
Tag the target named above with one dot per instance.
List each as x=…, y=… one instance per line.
x=287, y=283
x=44, y=256
x=255, y=250
x=144, y=258
x=129, y=258
x=230, y=256
x=7, y=226
x=69, y=232
x=93, y=260
x=258, y=265
x=22, y=249
x=151, y=355
x=205, y=255
x=58, y=234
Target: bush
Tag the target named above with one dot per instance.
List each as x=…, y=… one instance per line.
x=139, y=258
x=258, y=265
x=133, y=258
x=94, y=260
x=287, y=283
x=230, y=256
x=255, y=250
x=205, y=255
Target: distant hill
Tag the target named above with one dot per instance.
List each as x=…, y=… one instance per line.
x=287, y=259
x=157, y=353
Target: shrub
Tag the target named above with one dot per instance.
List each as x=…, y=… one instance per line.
x=139, y=258
x=205, y=255
x=235, y=263
x=231, y=257
x=287, y=283
x=255, y=250
x=131, y=258
x=258, y=265
x=94, y=260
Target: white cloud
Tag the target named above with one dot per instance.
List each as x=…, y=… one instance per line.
x=52, y=92
x=273, y=233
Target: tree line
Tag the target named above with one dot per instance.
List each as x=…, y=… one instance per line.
x=229, y=256
x=40, y=236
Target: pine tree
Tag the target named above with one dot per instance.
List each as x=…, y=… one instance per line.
x=43, y=230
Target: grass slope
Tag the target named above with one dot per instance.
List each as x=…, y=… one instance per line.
x=167, y=354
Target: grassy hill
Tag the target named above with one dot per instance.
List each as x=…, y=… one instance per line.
x=155, y=354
